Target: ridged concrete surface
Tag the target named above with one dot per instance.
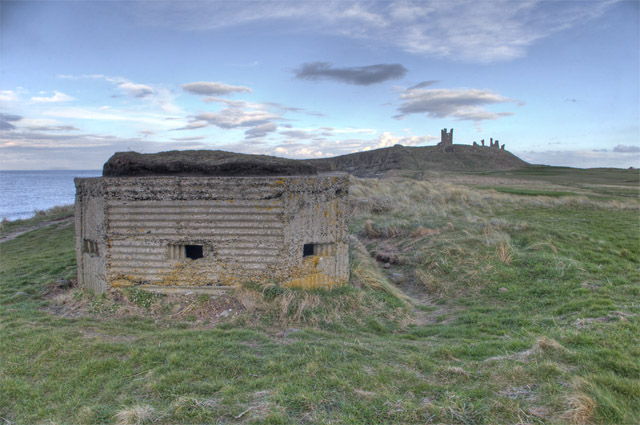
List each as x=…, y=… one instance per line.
x=250, y=229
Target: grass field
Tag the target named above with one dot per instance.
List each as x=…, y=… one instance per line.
x=511, y=307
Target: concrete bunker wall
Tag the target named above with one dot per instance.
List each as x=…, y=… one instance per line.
x=90, y=234
x=197, y=231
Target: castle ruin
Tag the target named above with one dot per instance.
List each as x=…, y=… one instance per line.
x=446, y=140
x=492, y=144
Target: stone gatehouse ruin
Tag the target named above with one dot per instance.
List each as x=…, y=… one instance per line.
x=446, y=142
x=210, y=218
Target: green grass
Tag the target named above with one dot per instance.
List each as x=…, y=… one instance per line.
x=530, y=192
x=530, y=316
x=603, y=181
x=39, y=217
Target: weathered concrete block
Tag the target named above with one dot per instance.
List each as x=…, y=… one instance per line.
x=199, y=231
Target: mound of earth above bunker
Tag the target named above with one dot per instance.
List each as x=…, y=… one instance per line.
x=202, y=163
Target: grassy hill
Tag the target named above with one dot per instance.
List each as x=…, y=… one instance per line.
x=459, y=158
x=514, y=302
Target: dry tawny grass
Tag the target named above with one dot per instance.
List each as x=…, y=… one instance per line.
x=503, y=251
x=547, y=344
x=433, y=285
x=544, y=345
x=368, y=273
x=136, y=415
x=438, y=198
x=579, y=409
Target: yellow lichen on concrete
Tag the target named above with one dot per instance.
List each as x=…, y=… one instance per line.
x=194, y=273
x=312, y=281
x=122, y=281
x=308, y=275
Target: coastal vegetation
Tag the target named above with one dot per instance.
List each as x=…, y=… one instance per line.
x=487, y=298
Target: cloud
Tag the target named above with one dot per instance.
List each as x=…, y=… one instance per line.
x=8, y=96
x=273, y=106
x=387, y=139
x=41, y=150
x=194, y=125
x=57, y=97
x=235, y=118
x=6, y=121
x=128, y=87
x=260, y=130
x=358, y=75
x=318, y=133
x=423, y=84
x=188, y=139
x=52, y=128
x=626, y=149
x=211, y=88
x=32, y=124
x=158, y=97
x=459, y=30
x=582, y=158
x=319, y=147
x=462, y=104
x=297, y=134
x=157, y=120
x=229, y=102
x=351, y=130
x=135, y=90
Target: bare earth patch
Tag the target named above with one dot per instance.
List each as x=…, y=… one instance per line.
x=196, y=310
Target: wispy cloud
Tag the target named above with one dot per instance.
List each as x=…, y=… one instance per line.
x=33, y=150
x=188, y=139
x=462, y=104
x=8, y=96
x=358, y=75
x=158, y=120
x=235, y=118
x=462, y=30
x=387, y=140
x=135, y=90
x=7, y=120
x=318, y=148
x=44, y=124
x=582, y=158
x=213, y=88
x=260, y=130
x=627, y=149
x=55, y=98
x=158, y=97
x=193, y=125
x=423, y=84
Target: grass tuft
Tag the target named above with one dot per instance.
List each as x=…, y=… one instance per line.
x=138, y=414
x=367, y=273
x=580, y=409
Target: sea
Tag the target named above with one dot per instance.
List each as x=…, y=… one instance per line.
x=24, y=192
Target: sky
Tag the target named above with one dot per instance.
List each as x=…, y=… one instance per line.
x=556, y=81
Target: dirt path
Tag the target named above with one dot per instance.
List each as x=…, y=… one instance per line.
x=426, y=311
x=15, y=234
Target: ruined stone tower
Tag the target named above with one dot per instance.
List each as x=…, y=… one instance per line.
x=210, y=221
x=446, y=140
